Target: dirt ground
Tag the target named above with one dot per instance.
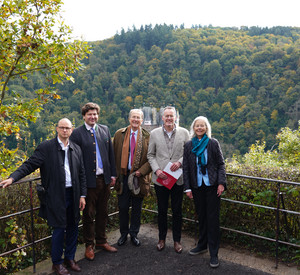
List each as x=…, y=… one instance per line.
x=147, y=260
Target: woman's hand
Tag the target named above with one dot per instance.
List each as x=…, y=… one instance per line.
x=220, y=190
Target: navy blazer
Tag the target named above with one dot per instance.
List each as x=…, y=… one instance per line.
x=49, y=157
x=215, y=165
x=85, y=139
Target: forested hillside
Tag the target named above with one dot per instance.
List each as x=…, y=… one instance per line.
x=246, y=81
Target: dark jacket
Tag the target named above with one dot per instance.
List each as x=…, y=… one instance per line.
x=49, y=157
x=84, y=138
x=215, y=165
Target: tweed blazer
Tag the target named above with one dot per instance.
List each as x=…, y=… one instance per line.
x=158, y=155
x=144, y=166
x=215, y=165
x=84, y=138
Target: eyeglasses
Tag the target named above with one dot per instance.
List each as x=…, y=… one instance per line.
x=65, y=128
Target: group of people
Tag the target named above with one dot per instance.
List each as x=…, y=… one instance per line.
x=78, y=169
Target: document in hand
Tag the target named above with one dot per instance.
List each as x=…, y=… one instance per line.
x=172, y=176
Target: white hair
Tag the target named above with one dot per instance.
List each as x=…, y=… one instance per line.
x=208, y=131
x=138, y=111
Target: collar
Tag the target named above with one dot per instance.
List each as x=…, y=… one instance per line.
x=88, y=127
x=62, y=145
x=173, y=131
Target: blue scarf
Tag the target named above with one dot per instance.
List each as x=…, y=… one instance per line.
x=198, y=149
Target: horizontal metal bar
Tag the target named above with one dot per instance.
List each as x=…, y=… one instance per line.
x=234, y=230
x=262, y=206
x=264, y=179
x=18, y=213
x=259, y=237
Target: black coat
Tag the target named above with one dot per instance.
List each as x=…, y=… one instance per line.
x=85, y=139
x=215, y=165
x=49, y=157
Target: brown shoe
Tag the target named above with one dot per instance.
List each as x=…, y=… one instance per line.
x=89, y=252
x=160, y=245
x=106, y=247
x=177, y=247
x=72, y=265
x=60, y=269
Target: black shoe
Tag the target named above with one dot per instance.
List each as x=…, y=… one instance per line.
x=122, y=239
x=214, y=262
x=135, y=241
x=197, y=250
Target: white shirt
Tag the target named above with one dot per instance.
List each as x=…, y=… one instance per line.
x=66, y=163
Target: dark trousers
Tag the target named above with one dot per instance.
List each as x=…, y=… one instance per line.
x=125, y=200
x=66, y=235
x=207, y=205
x=162, y=194
x=96, y=209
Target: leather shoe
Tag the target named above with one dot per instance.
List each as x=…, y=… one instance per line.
x=106, y=247
x=160, y=245
x=72, y=265
x=122, y=239
x=135, y=241
x=60, y=269
x=177, y=247
x=89, y=252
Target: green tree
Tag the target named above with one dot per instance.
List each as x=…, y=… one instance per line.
x=33, y=38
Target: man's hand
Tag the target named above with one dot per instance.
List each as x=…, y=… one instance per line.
x=175, y=166
x=138, y=173
x=161, y=174
x=189, y=194
x=82, y=203
x=113, y=181
x=6, y=183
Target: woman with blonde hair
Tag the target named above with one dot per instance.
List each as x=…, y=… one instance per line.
x=204, y=181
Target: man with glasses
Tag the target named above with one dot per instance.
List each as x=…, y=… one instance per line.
x=63, y=179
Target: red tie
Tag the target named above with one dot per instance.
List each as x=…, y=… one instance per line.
x=132, y=146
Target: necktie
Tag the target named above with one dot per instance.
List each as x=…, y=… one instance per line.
x=100, y=164
x=132, y=147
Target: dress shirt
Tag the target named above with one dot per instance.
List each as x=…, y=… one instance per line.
x=66, y=163
x=169, y=138
x=99, y=171
x=135, y=137
x=200, y=176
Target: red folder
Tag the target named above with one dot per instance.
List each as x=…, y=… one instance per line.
x=169, y=182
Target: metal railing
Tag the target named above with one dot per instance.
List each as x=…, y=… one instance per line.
x=277, y=209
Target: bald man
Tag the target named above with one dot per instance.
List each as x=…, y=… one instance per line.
x=63, y=177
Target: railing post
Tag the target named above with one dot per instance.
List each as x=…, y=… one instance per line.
x=32, y=228
x=277, y=223
x=285, y=218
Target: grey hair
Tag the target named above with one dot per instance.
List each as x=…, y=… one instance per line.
x=170, y=108
x=136, y=110
x=208, y=131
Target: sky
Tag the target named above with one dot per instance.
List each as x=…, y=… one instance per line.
x=93, y=20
